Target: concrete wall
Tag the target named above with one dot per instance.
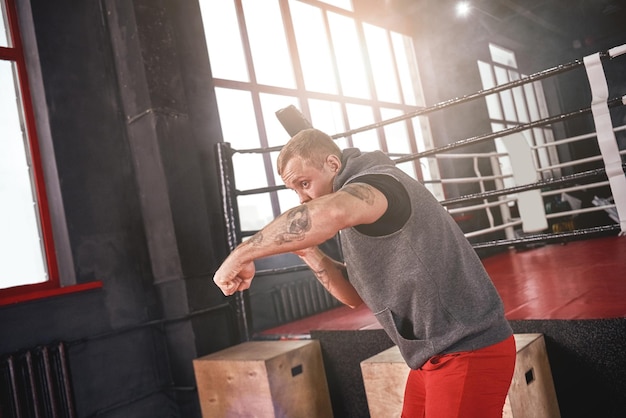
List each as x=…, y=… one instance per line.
x=132, y=121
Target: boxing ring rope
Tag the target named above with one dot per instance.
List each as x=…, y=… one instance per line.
x=487, y=205
x=526, y=187
x=618, y=101
x=229, y=192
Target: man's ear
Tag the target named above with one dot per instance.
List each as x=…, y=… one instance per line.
x=334, y=163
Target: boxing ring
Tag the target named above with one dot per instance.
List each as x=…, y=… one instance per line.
x=533, y=184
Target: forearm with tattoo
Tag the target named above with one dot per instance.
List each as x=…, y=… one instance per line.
x=297, y=224
x=256, y=239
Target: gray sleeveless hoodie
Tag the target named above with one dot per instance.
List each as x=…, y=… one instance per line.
x=425, y=283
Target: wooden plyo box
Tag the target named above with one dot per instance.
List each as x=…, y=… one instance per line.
x=264, y=379
x=531, y=395
x=384, y=378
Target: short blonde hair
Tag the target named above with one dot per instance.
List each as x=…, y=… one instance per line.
x=312, y=145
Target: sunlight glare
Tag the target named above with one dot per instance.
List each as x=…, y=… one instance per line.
x=463, y=8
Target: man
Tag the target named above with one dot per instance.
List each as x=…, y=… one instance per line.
x=406, y=259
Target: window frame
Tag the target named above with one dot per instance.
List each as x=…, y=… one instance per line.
x=302, y=95
x=53, y=286
x=528, y=94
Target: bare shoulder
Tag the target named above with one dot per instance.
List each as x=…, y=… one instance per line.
x=361, y=191
x=364, y=192
x=367, y=203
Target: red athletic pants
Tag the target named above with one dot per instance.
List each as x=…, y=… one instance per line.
x=468, y=384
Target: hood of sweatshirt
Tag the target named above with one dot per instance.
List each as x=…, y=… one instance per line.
x=353, y=162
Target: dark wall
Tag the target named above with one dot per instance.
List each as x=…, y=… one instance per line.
x=94, y=164
x=133, y=122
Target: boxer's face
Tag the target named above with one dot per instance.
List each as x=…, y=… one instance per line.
x=308, y=180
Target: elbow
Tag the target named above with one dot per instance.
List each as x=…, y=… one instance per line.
x=354, y=303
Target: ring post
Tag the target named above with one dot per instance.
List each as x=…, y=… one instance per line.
x=228, y=193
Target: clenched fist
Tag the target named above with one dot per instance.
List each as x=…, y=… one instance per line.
x=234, y=275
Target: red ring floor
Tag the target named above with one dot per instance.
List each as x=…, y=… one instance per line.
x=578, y=280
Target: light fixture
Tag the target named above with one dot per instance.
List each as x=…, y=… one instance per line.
x=463, y=8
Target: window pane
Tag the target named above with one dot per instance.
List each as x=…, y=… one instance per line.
x=420, y=141
x=287, y=199
x=273, y=158
x=349, y=58
x=270, y=103
x=266, y=34
x=520, y=105
x=328, y=117
x=495, y=127
x=502, y=75
x=493, y=106
x=396, y=133
x=520, y=100
x=237, y=118
x=407, y=67
x=255, y=211
x=221, y=30
x=493, y=101
x=382, y=62
x=344, y=4
x=313, y=48
x=4, y=27
x=532, y=102
x=359, y=116
x=506, y=96
x=541, y=99
x=486, y=75
x=409, y=168
x=20, y=244
x=398, y=141
x=249, y=171
x=502, y=56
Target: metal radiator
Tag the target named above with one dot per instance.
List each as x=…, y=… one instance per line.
x=36, y=383
x=301, y=298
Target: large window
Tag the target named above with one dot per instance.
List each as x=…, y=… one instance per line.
x=27, y=262
x=516, y=106
x=342, y=73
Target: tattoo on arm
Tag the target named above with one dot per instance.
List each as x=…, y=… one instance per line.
x=297, y=224
x=256, y=239
x=360, y=191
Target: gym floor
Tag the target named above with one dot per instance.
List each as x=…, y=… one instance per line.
x=575, y=280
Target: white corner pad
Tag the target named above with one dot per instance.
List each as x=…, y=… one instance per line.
x=618, y=50
x=605, y=134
